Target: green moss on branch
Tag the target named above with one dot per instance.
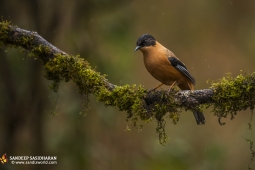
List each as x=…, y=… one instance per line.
x=233, y=94
x=226, y=96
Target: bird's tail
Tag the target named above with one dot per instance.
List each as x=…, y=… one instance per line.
x=199, y=116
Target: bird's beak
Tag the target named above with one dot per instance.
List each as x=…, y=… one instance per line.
x=137, y=48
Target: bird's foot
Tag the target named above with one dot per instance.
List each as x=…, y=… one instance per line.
x=151, y=90
x=168, y=91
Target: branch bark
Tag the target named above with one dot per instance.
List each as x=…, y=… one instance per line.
x=17, y=36
x=226, y=96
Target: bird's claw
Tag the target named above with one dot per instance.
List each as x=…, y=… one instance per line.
x=151, y=90
x=168, y=91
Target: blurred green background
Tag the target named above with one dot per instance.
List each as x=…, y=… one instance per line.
x=211, y=37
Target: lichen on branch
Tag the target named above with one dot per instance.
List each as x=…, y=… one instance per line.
x=225, y=96
x=233, y=94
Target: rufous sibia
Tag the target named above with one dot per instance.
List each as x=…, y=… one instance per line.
x=164, y=66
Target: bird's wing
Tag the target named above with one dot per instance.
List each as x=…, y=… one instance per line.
x=182, y=68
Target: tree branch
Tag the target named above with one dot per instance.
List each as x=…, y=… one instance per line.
x=226, y=96
x=19, y=38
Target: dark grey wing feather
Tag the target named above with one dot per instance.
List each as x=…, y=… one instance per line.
x=182, y=68
x=186, y=73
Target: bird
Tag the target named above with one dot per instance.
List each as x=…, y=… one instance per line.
x=164, y=66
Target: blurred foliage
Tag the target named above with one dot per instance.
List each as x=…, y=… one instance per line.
x=210, y=37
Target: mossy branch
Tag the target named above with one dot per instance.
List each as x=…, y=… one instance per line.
x=225, y=96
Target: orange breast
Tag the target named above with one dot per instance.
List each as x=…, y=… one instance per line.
x=157, y=63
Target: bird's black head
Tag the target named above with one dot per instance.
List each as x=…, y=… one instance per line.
x=144, y=41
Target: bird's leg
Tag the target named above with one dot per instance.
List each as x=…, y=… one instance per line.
x=155, y=88
x=168, y=91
